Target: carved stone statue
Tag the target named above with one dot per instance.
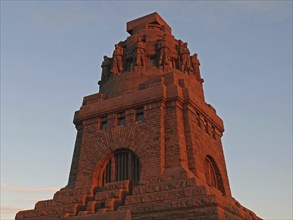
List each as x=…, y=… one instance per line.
x=117, y=60
x=164, y=53
x=184, y=56
x=139, y=54
x=106, y=69
x=195, y=66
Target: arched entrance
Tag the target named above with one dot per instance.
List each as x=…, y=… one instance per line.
x=212, y=173
x=123, y=165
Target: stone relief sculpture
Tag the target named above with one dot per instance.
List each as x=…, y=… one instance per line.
x=138, y=57
x=139, y=53
x=117, y=60
x=164, y=53
x=106, y=69
x=184, y=56
x=195, y=66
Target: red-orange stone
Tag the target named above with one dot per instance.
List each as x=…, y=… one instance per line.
x=148, y=146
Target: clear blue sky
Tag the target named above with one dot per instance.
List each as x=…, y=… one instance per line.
x=51, y=52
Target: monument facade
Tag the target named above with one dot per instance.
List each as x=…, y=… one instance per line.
x=148, y=145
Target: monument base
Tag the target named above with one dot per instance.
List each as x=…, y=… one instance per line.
x=174, y=199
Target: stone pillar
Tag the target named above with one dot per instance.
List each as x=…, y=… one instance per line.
x=75, y=159
x=175, y=146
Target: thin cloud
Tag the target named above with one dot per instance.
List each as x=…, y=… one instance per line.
x=10, y=188
x=11, y=209
x=8, y=212
x=24, y=200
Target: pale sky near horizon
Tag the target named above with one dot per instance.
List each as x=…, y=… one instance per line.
x=51, y=52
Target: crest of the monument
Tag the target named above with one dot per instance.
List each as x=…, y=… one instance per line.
x=150, y=46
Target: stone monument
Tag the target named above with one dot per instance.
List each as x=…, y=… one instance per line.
x=148, y=146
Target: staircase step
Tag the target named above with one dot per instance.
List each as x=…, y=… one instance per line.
x=113, y=204
x=83, y=213
x=103, y=210
x=169, y=205
x=68, y=214
x=105, y=215
x=51, y=217
x=163, y=186
x=94, y=205
x=50, y=211
x=117, y=193
x=81, y=199
x=125, y=184
x=166, y=195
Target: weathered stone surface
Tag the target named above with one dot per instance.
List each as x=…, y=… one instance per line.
x=49, y=211
x=117, y=185
x=171, y=204
x=117, y=215
x=93, y=206
x=148, y=146
x=118, y=193
x=165, y=195
x=163, y=186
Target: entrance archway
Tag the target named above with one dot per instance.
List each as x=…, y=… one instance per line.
x=212, y=173
x=123, y=165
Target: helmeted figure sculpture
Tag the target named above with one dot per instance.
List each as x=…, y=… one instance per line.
x=139, y=53
x=117, y=60
x=195, y=66
x=106, y=69
x=184, y=56
x=164, y=53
